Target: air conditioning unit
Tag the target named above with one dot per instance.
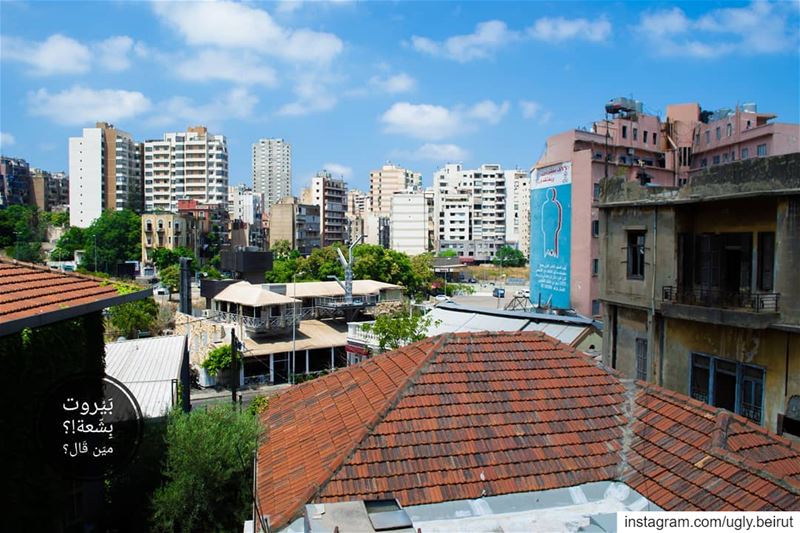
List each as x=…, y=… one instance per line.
x=630, y=151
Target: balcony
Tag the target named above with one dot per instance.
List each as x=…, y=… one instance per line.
x=358, y=335
x=718, y=306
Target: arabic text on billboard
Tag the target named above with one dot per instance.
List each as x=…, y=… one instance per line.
x=551, y=210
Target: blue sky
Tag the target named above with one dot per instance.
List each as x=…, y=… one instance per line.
x=354, y=84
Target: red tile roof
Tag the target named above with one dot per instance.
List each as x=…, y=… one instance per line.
x=461, y=415
x=28, y=290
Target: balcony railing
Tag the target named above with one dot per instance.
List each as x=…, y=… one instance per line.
x=708, y=297
x=357, y=333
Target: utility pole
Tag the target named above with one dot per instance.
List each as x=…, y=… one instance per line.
x=234, y=367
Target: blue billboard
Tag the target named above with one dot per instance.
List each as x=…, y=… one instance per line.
x=551, y=210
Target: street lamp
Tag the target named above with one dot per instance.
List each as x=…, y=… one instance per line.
x=294, y=325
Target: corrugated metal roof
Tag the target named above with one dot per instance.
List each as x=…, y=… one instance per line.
x=147, y=367
x=451, y=320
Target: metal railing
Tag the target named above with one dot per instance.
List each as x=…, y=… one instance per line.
x=709, y=297
x=356, y=332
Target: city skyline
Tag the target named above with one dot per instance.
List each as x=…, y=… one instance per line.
x=352, y=85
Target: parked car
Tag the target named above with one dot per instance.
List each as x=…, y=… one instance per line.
x=442, y=298
x=472, y=280
x=161, y=291
x=524, y=292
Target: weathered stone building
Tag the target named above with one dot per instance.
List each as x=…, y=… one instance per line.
x=701, y=286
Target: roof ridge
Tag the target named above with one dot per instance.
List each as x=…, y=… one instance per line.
x=45, y=268
x=718, y=447
x=376, y=420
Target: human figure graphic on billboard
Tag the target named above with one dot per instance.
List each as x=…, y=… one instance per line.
x=551, y=223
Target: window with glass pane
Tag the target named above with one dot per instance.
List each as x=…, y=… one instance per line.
x=700, y=377
x=641, y=359
x=636, y=254
x=751, y=393
x=725, y=384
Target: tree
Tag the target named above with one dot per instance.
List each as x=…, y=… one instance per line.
x=114, y=237
x=448, y=252
x=164, y=257
x=508, y=256
x=72, y=239
x=218, y=359
x=394, y=331
x=422, y=269
x=22, y=232
x=381, y=264
x=281, y=249
x=322, y=262
x=208, y=470
x=131, y=318
x=171, y=277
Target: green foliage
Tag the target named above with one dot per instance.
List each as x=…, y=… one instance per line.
x=283, y=269
x=164, y=257
x=281, y=249
x=55, y=218
x=258, y=405
x=210, y=272
x=22, y=232
x=449, y=252
x=131, y=318
x=218, y=359
x=115, y=237
x=509, y=257
x=72, y=239
x=460, y=288
x=394, y=331
x=208, y=471
x=322, y=262
x=170, y=277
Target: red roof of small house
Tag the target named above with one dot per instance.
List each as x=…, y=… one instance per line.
x=34, y=295
x=469, y=414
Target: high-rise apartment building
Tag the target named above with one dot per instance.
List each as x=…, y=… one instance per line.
x=245, y=204
x=15, y=181
x=189, y=165
x=330, y=195
x=105, y=171
x=386, y=181
x=411, y=221
x=356, y=215
x=518, y=183
x=470, y=210
x=272, y=170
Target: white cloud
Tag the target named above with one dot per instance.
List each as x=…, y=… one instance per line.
x=439, y=153
x=529, y=108
x=55, y=55
x=561, y=29
x=237, y=103
x=81, y=105
x=63, y=55
x=489, y=111
x=760, y=28
x=112, y=54
x=237, y=67
x=492, y=35
x=338, y=170
x=313, y=95
x=242, y=26
x=433, y=122
x=488, y=37
x=394, y=83
x=6, y=139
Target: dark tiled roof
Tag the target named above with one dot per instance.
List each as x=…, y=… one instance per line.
x=461, y=415
x=28, y=290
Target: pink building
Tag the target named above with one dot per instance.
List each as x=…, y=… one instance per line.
x=659, y=152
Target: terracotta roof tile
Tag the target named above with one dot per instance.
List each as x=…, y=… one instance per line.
x=462, y=415
x=28, y=290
